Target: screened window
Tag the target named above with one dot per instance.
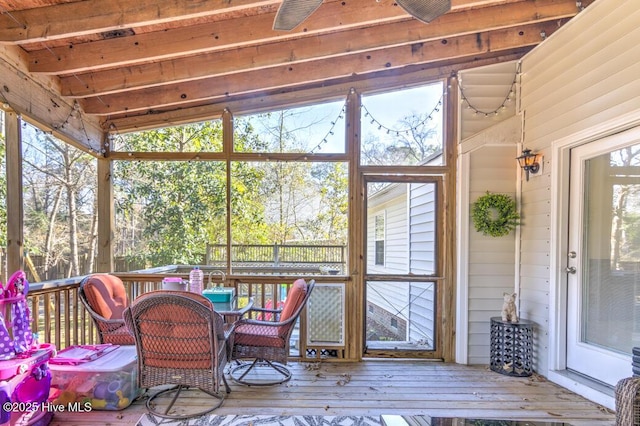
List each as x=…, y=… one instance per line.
x=170, y=213
x=315, y=129
x=205, y=136
x=403, y=127
x=292, y=217
x=379, y=239
x=59, y=196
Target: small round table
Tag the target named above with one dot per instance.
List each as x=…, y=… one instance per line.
x=511, y=347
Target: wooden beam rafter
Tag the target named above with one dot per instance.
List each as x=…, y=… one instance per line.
x=35, y=97
x=312, y=47
x=94, y=16
x=224, y=34
x=201, y=38
x=279, y=98
x=318, y=70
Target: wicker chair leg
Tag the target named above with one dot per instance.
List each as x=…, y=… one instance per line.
x=628, y=402
x=239, y=372
x=155, y=410
x=226, y=384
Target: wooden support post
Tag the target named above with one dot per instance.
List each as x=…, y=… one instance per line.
x=15, y=235
x=354, y=291
x=448, y=295
x=105, y=216
x=227, y=142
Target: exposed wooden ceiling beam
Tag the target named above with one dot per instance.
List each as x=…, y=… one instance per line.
x=80, y=18
x=318, y=70
x=148, y=63
x=302, y=49
x=279, y=98
x=91, y=16
x=35, y=98
x=199, y=38
x=206, y=37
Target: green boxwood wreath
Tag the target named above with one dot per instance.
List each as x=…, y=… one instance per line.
x=495, y=214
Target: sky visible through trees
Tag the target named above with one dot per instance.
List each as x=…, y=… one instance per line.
x=173, y=212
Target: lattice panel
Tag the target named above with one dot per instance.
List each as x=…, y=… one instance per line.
x=325, y=313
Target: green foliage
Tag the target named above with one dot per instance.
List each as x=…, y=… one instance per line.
x=495, y=214
x=205, y=136
x=181, y=206
x=332, y=183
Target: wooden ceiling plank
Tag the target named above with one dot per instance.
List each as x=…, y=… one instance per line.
x=302, y=49
x=331, y=16
x=331, y=90
x=191, y=40
x=95, y=16
x=320, y=70
x=36, y=99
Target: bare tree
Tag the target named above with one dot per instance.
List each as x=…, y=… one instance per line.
x=61, y=183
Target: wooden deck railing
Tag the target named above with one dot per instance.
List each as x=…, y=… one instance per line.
x=59, y=317
x=245, y=259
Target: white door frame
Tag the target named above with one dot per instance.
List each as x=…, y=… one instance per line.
x=560, y=151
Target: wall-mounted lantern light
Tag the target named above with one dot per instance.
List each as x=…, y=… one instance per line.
x=528, y=162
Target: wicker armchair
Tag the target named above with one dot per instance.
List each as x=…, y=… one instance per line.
x=180, y=341
x=628, y=402
x=266, y=341
x=105, y=299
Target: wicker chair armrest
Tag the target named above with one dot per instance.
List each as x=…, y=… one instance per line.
x=265, y=322
x=228, y=330
x=265, y=310
x=272, y=314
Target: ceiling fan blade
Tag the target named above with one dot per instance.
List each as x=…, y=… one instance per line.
x=292, y=12
x=425, y=10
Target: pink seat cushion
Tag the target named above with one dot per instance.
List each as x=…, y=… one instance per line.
x=294, y=299
x=258, y=335
x=106, y=295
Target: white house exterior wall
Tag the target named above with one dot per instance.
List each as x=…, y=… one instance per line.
x=389, y=295
x=584, y=79
x=422, y=227
x=489, y=267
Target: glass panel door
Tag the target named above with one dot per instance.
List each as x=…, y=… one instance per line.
x=604, y=288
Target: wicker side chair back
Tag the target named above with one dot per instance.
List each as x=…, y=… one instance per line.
x=105, y=299
x=180, y=341
x=260, y=347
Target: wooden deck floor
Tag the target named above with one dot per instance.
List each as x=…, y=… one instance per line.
x=391, y=387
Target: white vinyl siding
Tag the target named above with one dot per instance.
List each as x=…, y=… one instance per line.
x=392, y=202
x=422, y=227
x=485, y=89
x=422, y=234
x=379, y=243
x=585, y=74
x=490, y=260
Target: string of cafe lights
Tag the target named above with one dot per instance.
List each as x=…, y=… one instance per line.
x=114, y=134
x=75, y=113
x=503, y=105
x=331, y=130
x=397, y=132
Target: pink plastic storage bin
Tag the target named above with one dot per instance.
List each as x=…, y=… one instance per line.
x=107, y=381
x=25, y=383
